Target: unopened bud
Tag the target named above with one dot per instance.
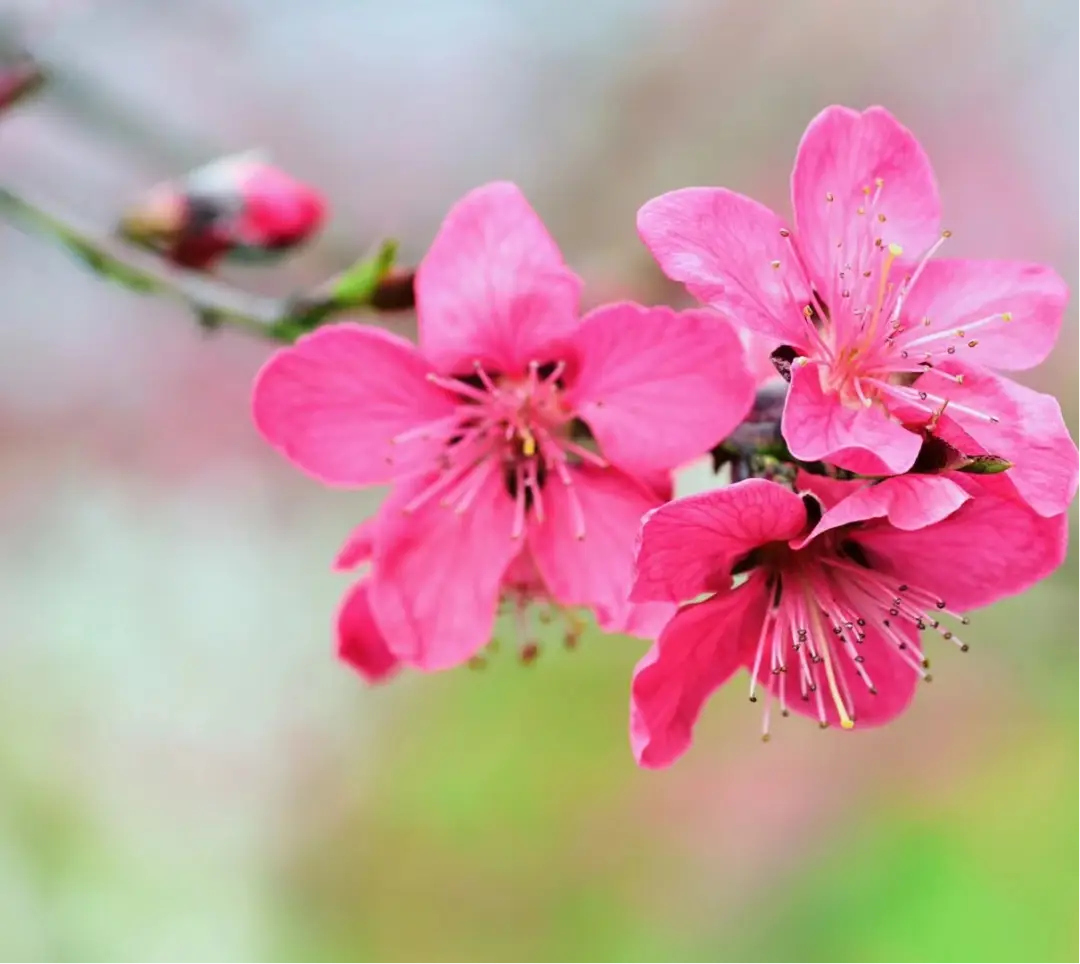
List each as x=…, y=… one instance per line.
x=984, y=465
x=239, y=208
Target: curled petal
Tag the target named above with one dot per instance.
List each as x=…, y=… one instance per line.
x=360, y=641
x=819, y=425
x=690, y=546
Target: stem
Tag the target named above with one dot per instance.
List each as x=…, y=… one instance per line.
x=368, y=284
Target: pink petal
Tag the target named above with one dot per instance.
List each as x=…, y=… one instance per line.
x=894, y=680
x=332, y=402
x=438, y=574
x=658, y=387
x=689, y=546
x=906, y=501
x=721, y=245
x=595, y=571
x=827, y=491
x=842, y=153
x=819, y=426
x=989, y=549
x=493, y=286
x=1031, y=433
x=358, y=548
x=698, y=651
x=956, y=296
x=645, y=620
x=360, y=642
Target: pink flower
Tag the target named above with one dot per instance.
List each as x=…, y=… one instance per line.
x=523, y=596
x=884, y=338
x=828, y=618
x=513, y=424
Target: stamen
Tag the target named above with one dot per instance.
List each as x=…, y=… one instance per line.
x=452, y=384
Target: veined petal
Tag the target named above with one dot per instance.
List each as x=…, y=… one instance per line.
x=818, y=425
x=596, y=569
x=493, y=286
x=658, y=387
x=906, y=501
x=850, y=162
x=987, y=550
x=997, y=314
x=1030, y=432
x=697, y=652
x=438, y=573
x=333, y=403
x=689, y=546
x=722, y=246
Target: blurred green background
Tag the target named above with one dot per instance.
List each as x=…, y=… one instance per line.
x=186, y=774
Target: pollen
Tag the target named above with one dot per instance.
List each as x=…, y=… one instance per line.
x=1006, y=316
x=895, y=250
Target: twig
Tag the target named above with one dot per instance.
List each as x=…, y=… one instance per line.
x=371, y=283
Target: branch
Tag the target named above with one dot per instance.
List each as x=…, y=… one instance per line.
x=371, y=283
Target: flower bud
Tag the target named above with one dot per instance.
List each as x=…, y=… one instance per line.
x=239, y=208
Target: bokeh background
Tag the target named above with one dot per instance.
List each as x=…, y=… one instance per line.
x=187, y=774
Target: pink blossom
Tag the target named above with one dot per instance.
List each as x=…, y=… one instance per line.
x=513, y=424
x=884, y=337
x=829, y=615
x=523, y=597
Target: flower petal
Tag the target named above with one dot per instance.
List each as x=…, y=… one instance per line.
x=332, y=402
x=493, y=286
x=360, y=641
x=817, y=425
x=658, y=387
x=689, y=546
x=842, y=154
x=594, y=571
x=645, y=620
x=722, y=245
x=990, y=548
x=906, y=501
x=438, y=572
x=965, y=303
x=1030, y=432
x=894, y=680
x=358, y=548
x=698, y=651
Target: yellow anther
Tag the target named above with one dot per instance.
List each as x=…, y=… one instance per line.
x=866, y=190
x=1006, y=316
x=847, y=724
x=946, y=234
x=895, y=250
x=879, y=181
x=860, y=210
x=528, y=443
x=882, y=218
x=775, y=264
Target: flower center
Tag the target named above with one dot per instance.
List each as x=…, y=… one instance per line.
x=519, y=426
x=856, y=330
x=820, y=604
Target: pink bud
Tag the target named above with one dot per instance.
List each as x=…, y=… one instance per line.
x=239, y=208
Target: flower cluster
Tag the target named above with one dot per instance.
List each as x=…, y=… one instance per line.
x=530, y=451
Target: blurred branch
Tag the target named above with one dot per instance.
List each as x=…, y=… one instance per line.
x=371, y=283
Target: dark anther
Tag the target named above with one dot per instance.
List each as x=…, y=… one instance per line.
x=904, y=588
x=785, y=712
x=860, y=621
x=860, y=659
x=964, y=647
x=940, y=604
x=814, y=509
x=782, y=360
x=855, y=553
x=753, y=699
x=946, y=635
x=894, y=612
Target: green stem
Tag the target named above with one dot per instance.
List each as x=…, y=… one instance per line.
x=214, y=303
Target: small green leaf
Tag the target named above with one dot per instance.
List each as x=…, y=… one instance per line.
x=358, y=283
x=984, y=465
